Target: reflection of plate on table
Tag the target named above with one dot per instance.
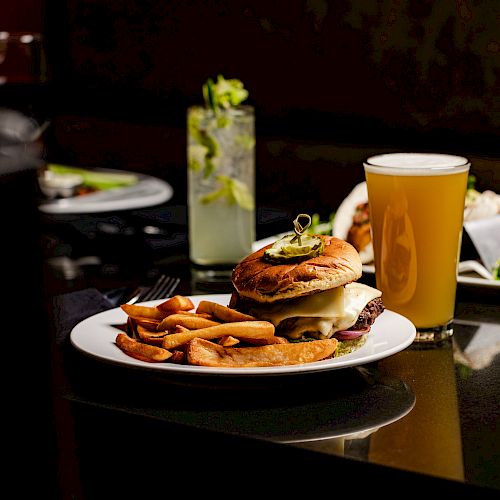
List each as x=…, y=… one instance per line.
x=356, y=414
x=467, y=276
x=148, y=191
x=315, y=408
x=96, y=336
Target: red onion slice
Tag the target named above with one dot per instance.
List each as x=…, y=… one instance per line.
x=351, y=334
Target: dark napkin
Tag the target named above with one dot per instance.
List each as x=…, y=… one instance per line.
x=71, y=308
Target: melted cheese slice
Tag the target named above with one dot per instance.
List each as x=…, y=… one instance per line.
x=325, y=312
x=329, y=304
x=357, y=296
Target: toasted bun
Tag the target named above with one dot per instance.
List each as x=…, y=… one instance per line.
x=259, y=280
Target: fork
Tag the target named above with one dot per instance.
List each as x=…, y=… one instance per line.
x=162, y=289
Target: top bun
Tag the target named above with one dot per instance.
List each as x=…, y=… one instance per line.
x=262, y=281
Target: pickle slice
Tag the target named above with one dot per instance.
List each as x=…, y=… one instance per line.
x=286, y=250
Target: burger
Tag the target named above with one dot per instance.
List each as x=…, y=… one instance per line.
x=309, y=291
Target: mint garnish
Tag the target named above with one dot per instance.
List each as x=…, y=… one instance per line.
x=223, y=94
x=233, y=191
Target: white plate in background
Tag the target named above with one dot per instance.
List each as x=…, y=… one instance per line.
x=147, y=192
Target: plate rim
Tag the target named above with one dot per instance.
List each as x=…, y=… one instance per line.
x=347, y=361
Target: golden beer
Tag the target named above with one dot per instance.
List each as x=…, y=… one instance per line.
x=416, y=214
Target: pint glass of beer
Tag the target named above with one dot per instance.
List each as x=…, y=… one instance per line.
x=416, y=203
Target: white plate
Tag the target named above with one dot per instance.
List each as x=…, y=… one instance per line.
x=369, y=268
x=473, y=280
x=96, y=336
x=147, y=192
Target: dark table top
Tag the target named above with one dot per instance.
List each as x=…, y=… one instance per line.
x=426, y=416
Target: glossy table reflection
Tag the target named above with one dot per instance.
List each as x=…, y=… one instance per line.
x=422, y=415
x=428, y=438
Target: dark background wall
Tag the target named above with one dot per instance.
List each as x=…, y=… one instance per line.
x=332, y=82
x=418, y=65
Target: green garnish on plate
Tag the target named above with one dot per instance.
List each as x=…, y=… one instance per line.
x=495, y=272
x=472, y=193
x=95, y=179
x=319, y=226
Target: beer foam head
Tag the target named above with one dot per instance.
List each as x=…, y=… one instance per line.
x=416, y=164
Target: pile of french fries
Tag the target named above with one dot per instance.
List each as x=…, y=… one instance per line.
x=177, y=332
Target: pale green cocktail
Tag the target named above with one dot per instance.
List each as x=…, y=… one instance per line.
x=221, y=184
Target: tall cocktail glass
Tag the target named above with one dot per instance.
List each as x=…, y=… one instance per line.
x=221, y=186
x=416, y=214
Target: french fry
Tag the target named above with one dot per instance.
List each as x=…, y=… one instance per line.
x=150, y=337
x=152, y=341
x=175, y=332
x=198, y=315
x=175, y=304
x=240, y=330
x=187, y=321
x=201, y=352
x=138, y=350
x=267, y=341
x=145, y=324
x=229, y=341
x=132, y=328
x=177, y=357
x=221, y=312
x=147, y=333
x=148, y=323
x=143, y=312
